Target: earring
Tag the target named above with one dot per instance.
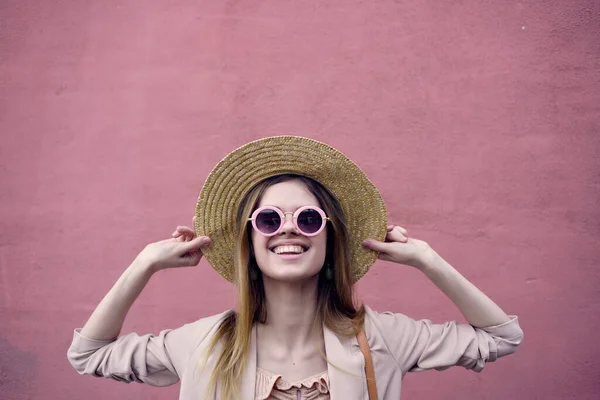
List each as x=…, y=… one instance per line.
x=328, y=272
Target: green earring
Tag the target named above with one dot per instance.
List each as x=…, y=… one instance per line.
x=328, y=272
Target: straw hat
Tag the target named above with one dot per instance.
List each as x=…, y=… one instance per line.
x=246, y=166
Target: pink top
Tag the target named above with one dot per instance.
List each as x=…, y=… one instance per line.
x=273, y=387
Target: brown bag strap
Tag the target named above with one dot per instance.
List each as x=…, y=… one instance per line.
x=364, y=347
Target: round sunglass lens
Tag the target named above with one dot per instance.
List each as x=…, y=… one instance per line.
x=268, y=221
x=309, y=221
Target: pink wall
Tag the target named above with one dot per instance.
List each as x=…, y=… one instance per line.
x=478, y=121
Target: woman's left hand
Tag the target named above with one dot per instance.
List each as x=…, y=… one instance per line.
x=399, y=248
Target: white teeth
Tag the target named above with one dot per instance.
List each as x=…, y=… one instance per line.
x=288, y=249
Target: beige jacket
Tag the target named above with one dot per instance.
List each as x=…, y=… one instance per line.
x=398, y=345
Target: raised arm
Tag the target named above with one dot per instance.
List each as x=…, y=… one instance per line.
x=107, y=319
x=477, y=308
x=96, y=350
x=421, y=345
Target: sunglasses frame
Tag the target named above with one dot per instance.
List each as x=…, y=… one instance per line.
x=283, y=219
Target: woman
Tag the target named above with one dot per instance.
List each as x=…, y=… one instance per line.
x=294, y=224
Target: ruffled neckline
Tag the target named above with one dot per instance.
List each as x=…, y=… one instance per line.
x=267, y=381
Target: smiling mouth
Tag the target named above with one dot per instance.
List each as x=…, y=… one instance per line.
x=289, y=249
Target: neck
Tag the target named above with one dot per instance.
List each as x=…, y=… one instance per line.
x=291, y=311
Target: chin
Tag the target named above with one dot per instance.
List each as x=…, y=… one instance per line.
x=287, y=274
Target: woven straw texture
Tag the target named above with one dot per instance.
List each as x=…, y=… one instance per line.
x=243, y=168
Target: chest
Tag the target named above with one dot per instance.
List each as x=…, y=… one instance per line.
x=292, y=365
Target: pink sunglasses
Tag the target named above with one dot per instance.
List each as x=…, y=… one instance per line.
x=308, y=220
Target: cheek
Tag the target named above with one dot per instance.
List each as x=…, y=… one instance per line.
x=321, y=246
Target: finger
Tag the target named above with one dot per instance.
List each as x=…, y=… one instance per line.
x=402, y=230
x=184, y=234
x=395, y=236
x=192, y=251
x=186, y=230
x=196, y=244
x=399, y=228
x=194, y=220
x=176, y=234
x=376, y=245
x=181, y=228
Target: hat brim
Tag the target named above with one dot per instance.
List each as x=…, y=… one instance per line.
x=246, y=166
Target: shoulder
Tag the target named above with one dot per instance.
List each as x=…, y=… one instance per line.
x=201, y=328
x=193, y=334
x=390, y=330
x=394, y=334
x=208, y=322
x=381, y=322
x=191, y=337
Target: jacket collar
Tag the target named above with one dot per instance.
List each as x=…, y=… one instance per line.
x=249, y=375
x=345, y=367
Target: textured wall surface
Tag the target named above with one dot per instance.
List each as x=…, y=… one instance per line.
x=478, y=121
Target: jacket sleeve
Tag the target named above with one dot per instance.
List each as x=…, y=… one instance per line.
x=157, y=360
x=422, y=345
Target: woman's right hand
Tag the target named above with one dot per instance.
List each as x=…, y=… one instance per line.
x=183, y=250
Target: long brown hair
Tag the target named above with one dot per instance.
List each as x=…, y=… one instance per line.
x=335, y=302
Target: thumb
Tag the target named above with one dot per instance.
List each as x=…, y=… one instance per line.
x=376, y=245
x=195, y=244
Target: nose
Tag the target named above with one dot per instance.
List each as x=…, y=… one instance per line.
x=288, y=224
